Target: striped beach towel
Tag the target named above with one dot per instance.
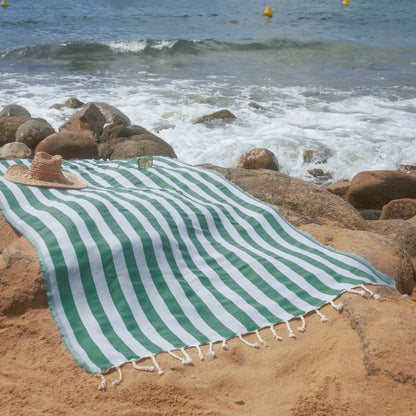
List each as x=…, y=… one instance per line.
x=171, y=256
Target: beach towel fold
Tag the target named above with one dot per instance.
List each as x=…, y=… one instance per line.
x=150, y=260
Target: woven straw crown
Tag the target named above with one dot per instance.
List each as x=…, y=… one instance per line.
x=44, y=171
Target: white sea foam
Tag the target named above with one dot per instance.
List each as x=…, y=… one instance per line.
x=139, y=45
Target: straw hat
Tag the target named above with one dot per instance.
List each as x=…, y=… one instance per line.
x=44, y=171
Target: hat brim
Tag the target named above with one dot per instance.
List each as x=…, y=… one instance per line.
x=19, y=174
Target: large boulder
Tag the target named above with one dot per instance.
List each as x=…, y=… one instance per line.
x=340, y=187
x=21, y=278
x=14, y=110
x=258, y=159
x=218, y=116
x=402, y=231
x=374, y=189
x=382, y=252
x=111, y=132
x=88, y=120
x=135, y=146
x=399, y=209
x=70, y=145
x=33, y=131
x=306, y=200
x=9, y=126
x=15, y=150
x=113, y=116
x=387, y=331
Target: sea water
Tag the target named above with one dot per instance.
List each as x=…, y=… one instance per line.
x=340, y=81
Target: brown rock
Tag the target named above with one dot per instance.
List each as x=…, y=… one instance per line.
x=168, y=115
x=258, y=159
x=164, y=127
x=113, y=132
x=8, y=234
x=294, y=218
x=14, y=110
x=113, y=116
x=374, y=189
x=222, y=115
x=134, y=146
x=304, y=199
x=8, y=128
x=15, y=150
x=33, y=131
x=319, y=175
x=56, y=106
x=70, y=145
x=89, y=120
x=412, y=221
x=256, y=106
x=73, y=102
x=399, y=209
x=318, y=155
x=404, y=232
x=390, y=355
x=339, y=188
x=382, y=252
x=21, y=279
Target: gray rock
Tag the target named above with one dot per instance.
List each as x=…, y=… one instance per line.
x=33, y=131
x=14, y=110
x=15, y=150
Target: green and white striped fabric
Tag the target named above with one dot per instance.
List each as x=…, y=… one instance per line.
x=145, y=261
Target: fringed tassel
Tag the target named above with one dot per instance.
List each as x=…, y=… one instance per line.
x=103, y=384
x=224, y=345
x=255, y=345
x=150, y=368
x=338, y=307
x=201, y=356
x=188, y=359
x=323, y=317
x=275, y=333
x=356, y=292
x=156, y=364
x=303, y=327
x=371, y=293
x=184, y=361
x=211, y=352
x=261, y=340
x=176, y=356
x=120, y=377
x=291, y=333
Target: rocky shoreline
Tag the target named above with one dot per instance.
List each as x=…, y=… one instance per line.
x=373, y=216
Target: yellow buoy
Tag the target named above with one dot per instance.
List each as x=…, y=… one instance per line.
x=346, y=2
x=4, y=3
x=268, y=12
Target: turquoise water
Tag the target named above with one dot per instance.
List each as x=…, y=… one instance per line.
x=340, y=80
